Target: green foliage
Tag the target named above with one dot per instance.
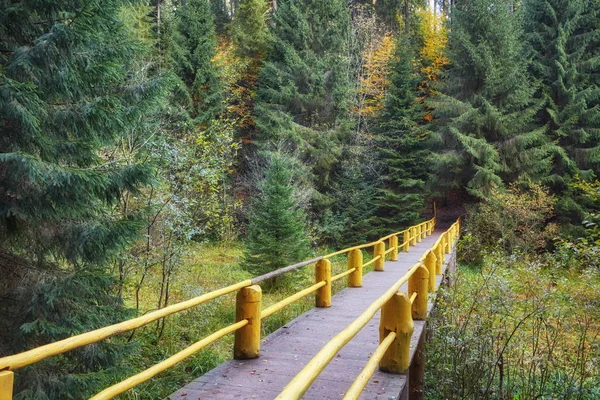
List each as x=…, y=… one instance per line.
x=562, y=36
x=277, y=228
x=511, y=220
x=401, y=150
x=582, y=247
x=486, y=134
x=198, y=41
x=303, y=89
x=515, y=329
x=249, y=30
x=70, y=91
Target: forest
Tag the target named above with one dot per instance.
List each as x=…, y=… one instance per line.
x=153, y=151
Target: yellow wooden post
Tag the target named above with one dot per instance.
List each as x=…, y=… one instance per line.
x=431, y=264
x=355, y=260
x=418, y=229
x=7, y=379
x=424, y=231
x=379, y=251
x=419, y=283
x=447, y=242
x=406, y=240
x=247, y=339
x=413, y=236
x=439, y=254
x=394, y=246
x=396, y=317
x=323, y=273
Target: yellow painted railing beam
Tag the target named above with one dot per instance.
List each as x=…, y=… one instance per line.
x=142, y=377
x=39, y=353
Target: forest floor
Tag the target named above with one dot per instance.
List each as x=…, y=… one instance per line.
x=205, y=268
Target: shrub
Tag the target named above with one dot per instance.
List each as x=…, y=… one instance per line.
x=512, y=219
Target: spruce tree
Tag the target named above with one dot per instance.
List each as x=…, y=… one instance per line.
x=276, y=229
x=401, y=148
x=562, y=36
x=486, y=133
x=70, y=91
x=195, y=66
x=249, y=30
x=304, y=87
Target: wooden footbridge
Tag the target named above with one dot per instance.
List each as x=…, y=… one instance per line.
x=361, y=343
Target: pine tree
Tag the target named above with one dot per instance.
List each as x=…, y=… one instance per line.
x=401, y=148
x=70, y=91
x=562, y=36
x=304, y=87
x=486, y=131
x=196, y=68
x=276, y=230
x=249, y=30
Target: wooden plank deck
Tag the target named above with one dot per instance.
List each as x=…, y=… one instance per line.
x=286, y=351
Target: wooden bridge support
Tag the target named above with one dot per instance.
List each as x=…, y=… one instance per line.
x=394, y=246
x=378, y=265
x=419, y=284
x=396, y=316
x=247, y=339
x=355, y=260
x=323, y=273
x=7, y=379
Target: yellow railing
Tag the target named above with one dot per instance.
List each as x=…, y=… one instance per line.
x=249, y=312
x=398, y=311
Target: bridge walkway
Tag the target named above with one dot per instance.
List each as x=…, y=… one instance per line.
x=286, y=351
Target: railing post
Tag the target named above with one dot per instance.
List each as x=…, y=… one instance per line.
x=406, y=240
x=413, y=236
x=431, y=264
x=247, y=339
x=396, y=317
x=424, y=231
x=418, y=229
x=323, y=273
x=355, y=260
x=447, y=244
x=439, y=254
x=379, y=251
x=419, y=283
x=394, y=246
x=7, y=380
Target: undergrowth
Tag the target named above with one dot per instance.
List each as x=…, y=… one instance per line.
x=516, y=328
x=208, y=267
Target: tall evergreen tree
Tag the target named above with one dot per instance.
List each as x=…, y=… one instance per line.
x=277, y=228
x=69, y=91
x=249, y=29
x=486, y=132
x=562, y=36
x=304, y=86
x=198, y=42
x=401, y=148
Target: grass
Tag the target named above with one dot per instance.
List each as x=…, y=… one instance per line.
x=205, y=268
x=518, y=328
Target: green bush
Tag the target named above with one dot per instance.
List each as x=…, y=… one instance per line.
x=511, y=220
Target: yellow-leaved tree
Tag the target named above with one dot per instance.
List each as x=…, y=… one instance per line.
x=433, y=60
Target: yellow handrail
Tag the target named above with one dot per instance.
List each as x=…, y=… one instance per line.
x=289, y=300
x=304, y=379
x=39, y=353
x=301, y=382
x=359, y=384
x=29, y=357
x=143, y=376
